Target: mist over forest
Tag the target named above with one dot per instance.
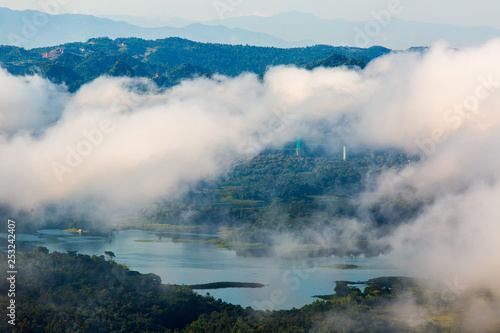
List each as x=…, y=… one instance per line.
x=294, y=153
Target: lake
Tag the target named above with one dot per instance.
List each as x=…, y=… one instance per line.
x=289, y=282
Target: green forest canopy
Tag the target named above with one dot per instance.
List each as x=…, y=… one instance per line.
x=169, y=60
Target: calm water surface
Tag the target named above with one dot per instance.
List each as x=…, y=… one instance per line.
x=289, y=283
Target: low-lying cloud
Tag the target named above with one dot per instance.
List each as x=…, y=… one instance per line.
x=123, y=142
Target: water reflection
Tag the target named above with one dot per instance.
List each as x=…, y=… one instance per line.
x=295, y=281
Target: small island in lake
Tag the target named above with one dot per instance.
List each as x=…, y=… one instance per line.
x=342, y=266
x=222, y=285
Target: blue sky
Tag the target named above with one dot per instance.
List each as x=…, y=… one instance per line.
x=458, y=12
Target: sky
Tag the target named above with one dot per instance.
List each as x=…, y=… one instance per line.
x=457, y=12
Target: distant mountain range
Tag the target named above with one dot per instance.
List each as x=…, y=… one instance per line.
x=32, y=29
x=394, y=34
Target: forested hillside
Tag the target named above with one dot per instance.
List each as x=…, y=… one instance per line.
x=276, y=191
x=70, y=292
x=283, y=193
x=167, y=61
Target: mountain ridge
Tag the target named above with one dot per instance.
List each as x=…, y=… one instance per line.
x=397, y=34
x=32, y=29
x=284, y=30
x=167, y=61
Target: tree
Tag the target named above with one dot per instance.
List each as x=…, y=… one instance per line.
x=110, y=254
x=342, y=289
x=42, y=250
x=121, y=68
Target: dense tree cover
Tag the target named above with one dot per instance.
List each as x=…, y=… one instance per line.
x=336, y=60
x=279, y=177
x=69, y=292
x=284, y=193
x=288, y=177
x=169, y=60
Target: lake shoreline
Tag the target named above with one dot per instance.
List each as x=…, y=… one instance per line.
x=194, y=263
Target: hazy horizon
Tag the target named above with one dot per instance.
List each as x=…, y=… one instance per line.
x=460, y=13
